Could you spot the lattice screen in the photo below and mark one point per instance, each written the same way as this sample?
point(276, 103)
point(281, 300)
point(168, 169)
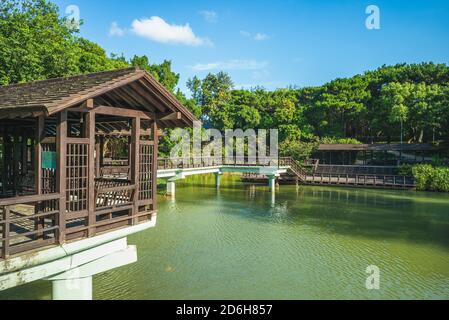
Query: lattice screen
point(146, 172)
point(77, 177)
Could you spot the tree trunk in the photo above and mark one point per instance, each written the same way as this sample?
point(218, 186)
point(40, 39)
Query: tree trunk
point(421, 136)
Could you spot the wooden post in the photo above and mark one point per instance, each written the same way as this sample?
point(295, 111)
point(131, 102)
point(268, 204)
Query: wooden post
point(97, 158)
point(130, 151)
point(5, 247)
point(24, 160)
point(5, 164)
point(16, 161)
point(102, 151)
point(154, 173)
point(61, 151)
point(135, 144)
point(90, 134)
point(39, 135)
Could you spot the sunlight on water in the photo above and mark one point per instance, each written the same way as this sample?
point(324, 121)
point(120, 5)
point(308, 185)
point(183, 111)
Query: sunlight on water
point(311, 243)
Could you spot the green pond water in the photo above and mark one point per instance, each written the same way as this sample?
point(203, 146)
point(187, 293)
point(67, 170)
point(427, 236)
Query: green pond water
point(310, 243)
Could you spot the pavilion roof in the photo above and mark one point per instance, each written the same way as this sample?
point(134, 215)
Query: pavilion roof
point(129, 88)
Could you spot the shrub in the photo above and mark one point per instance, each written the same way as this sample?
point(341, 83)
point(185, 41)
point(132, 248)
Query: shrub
point(431, 178)
point(333, 140)
point(440, 180)
point(423, 175)
point(297, 149)
point(405, 170)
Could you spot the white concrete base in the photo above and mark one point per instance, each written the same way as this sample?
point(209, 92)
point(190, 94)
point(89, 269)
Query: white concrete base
point(171, 188)
point(72, 289)
point(76, 283)
point(272, 183)
point(73, 261)
point(218, 180)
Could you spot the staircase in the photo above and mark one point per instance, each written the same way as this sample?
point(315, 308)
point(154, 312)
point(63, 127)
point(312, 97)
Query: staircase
point(294, 167)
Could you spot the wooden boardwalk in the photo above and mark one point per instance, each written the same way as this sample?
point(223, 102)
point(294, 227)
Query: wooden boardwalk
point(379, 181)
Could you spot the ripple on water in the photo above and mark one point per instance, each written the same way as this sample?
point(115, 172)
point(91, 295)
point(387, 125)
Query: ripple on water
point(311, 243)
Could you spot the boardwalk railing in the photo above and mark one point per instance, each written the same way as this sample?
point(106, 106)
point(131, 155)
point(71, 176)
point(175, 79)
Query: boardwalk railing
point(363, 180)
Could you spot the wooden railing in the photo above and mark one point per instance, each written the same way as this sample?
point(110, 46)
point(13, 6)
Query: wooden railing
point(204, 162)
point(28, 223)
point(32, 222)
point(294, 167)
point(115, 172)
point(113, 193)
point(363, 180)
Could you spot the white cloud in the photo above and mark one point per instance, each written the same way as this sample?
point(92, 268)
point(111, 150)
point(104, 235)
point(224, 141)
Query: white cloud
point(260, 74)
point(116, 31)
point(156, 29)
point(231, 65)
point(209, 16)
point(258, 36)
point(261, 37)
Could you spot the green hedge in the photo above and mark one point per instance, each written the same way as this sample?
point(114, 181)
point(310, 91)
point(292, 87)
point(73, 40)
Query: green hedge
point(429, 178)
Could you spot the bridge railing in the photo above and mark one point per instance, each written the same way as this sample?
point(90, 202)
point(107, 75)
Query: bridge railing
point(204, 162)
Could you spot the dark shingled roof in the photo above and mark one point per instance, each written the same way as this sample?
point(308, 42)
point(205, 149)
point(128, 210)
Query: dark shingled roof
point(131, 88)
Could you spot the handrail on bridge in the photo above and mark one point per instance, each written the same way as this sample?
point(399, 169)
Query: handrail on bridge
point(204, 162)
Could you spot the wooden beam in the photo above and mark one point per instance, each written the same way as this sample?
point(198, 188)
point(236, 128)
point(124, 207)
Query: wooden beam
point(117, 111)
point(88, 104)
point(141, 89)
point(48, 140)
point(61, 152)
point(169, 116)
point(123, 112)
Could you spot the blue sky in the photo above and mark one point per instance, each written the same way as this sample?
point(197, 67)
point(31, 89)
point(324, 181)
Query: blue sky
point(269, 43)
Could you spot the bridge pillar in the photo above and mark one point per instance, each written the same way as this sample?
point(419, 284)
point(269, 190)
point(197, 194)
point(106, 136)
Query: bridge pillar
point(218, 179)
point(171, 188)
point(76, 283)
point(72, 289)
point(272, 183)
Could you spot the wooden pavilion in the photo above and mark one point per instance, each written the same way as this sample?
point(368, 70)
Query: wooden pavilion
point(54, 187)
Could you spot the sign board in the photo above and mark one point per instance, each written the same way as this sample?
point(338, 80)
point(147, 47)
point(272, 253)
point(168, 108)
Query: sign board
point(49, 160)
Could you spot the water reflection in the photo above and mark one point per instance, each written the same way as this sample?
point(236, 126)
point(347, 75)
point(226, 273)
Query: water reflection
point(307, 243)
